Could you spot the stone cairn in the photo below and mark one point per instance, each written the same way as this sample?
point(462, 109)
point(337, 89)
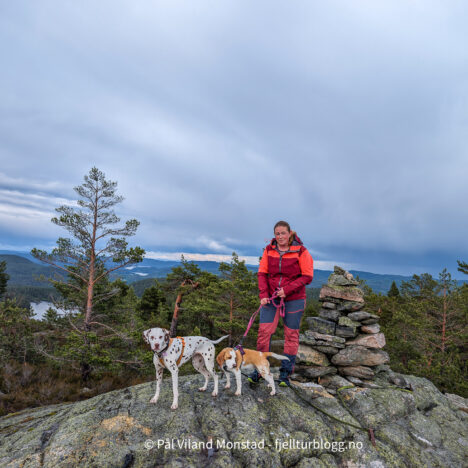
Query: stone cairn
point(343, 345)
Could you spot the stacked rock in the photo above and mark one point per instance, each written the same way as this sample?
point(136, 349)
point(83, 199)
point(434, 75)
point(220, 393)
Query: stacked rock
point(343, 345)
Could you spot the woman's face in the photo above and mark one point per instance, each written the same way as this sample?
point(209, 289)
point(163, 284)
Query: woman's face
point(282, 236)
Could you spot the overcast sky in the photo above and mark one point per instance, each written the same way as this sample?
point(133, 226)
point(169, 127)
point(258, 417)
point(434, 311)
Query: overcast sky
point(218, 118)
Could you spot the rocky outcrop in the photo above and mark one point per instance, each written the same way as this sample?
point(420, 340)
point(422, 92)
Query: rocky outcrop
point(413, 428)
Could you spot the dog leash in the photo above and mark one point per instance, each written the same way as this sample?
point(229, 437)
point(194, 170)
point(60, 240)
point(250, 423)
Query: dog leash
point(282, 310)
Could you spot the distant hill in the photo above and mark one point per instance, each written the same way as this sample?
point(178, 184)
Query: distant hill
point(23, 270)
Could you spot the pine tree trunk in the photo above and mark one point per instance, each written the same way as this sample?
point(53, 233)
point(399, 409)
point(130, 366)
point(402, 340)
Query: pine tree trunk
point(175, 316)
point(85, 371)
point(444, 320)
point(85, 367)
point(231, 314)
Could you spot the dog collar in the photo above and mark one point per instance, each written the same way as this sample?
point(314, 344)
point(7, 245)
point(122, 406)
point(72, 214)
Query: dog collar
point(240, 349)
point(163, 351)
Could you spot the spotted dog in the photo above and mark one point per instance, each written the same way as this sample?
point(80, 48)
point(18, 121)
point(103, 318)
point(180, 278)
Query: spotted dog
point(171, 353)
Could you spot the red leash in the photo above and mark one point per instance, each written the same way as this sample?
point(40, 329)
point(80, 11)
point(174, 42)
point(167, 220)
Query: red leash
point(282, 309)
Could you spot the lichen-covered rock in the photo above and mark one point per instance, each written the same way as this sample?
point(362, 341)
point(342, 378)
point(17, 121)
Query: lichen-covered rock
point(369, 321)
point(324, 337)
point(122, 429)
point(324, 346)
point(362, 315)
point(374, 328)
point(320, 325)
point(314, 371)
point(353, 294)
point(363, 372)
point(458, 401)
point(329, 314)
point(346, 332)
point(329, 305)
point(355, 380)
point(327, 349)
point(341, 280)
point(335, 381)
point(360, 356)
point(347, 322)
point(308, 355)
point(347, 306)
point(346, 327)
point(376, 340)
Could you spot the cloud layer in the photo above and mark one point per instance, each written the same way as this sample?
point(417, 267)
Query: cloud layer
point(219, 118)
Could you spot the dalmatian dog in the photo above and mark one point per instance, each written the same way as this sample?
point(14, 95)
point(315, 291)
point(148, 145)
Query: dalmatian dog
point(171, 353)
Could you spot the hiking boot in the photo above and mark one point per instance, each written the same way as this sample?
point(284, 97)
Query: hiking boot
point(254, 377)
point(284, 378)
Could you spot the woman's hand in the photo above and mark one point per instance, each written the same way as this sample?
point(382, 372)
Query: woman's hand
point(280, 293)
point(264, 301)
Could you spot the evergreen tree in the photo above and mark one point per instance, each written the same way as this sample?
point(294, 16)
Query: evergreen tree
point(393, 291)
point(426, 329)
point(150, 300)
point(223, 304)
point(15, 332)
point(463, 267)
point(182, 280)
point(96, 249)
point(420, 286)
point(4, 277)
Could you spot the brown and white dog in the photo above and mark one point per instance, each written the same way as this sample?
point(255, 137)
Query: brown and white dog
point(232, 360)
point(171, 353)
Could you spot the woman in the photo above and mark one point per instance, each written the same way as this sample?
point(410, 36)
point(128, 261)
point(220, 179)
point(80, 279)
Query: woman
point(286, 267)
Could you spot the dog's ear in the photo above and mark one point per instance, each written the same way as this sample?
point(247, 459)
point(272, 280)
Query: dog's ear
point(238, 358)
point(145, 336)
point(220, 358)
point(166, 335)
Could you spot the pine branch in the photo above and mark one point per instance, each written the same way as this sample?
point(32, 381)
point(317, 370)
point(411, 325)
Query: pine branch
point(121, 335)
point(64, 269)
point(106, 273)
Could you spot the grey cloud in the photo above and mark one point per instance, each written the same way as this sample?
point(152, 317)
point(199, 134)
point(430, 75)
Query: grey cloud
point(217, 119)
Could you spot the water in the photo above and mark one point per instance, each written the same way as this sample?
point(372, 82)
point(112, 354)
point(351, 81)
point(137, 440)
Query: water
point(40, 308)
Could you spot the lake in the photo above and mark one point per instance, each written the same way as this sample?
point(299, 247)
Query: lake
point(40, 308)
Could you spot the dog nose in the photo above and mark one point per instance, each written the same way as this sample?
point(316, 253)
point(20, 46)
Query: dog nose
point(156, 347)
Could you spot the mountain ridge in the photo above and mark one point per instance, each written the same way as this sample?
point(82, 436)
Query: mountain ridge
point(152, 268)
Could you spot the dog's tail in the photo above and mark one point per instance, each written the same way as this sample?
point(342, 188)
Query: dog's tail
point(276, 356)
point(221, 339)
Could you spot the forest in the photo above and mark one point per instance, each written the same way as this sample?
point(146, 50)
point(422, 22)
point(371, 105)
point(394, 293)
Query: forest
point(96, 345)
point(424, 323)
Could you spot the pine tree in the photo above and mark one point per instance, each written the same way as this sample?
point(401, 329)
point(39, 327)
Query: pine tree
point(15, 332)
point(223, 304)
point(420, 286)
point(183, 280)
point(96, 249)
point(4, 277)
point(426, 329)
point(393, 291)
point(150, 300)
point(463, 267)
